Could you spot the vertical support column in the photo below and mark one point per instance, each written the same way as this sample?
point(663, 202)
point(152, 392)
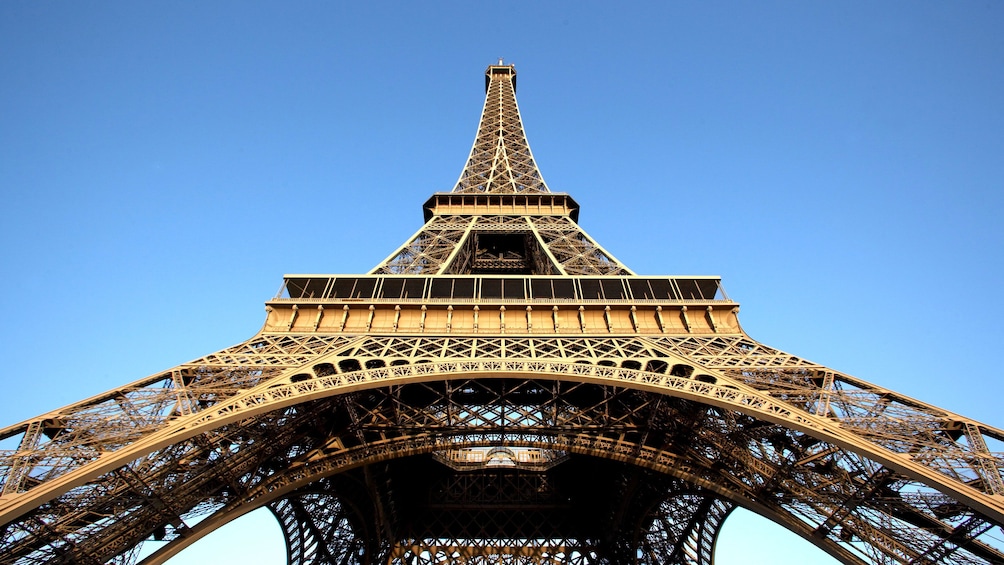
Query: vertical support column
point(685, 529)
point(183, 399)
point(21, 465)
point(986, 465)
point(823, 403)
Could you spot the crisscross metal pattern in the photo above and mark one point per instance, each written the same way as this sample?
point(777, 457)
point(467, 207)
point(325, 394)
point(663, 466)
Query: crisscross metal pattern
point(349, 432)
point(500, 160)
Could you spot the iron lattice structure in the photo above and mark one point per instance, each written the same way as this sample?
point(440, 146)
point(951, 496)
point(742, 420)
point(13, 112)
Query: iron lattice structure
point(501, 390)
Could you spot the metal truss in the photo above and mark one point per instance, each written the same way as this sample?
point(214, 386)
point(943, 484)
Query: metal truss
point(501, 164)
point(500, 160)
point(318, 530)
point(243, 435)
point(401, 419)
point(554, 245)
point(684, 530)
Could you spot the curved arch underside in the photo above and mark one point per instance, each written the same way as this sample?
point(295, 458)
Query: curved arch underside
point(665, 443)
point(505, 516)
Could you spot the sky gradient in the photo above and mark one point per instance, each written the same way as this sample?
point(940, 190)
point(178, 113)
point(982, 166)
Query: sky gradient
point(163, 164)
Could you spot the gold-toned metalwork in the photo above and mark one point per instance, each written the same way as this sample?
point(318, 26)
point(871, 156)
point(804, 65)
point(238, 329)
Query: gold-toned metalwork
point(501, 390)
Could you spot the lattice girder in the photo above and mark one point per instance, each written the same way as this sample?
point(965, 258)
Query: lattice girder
point(646, 381)
point(684, 530)
point(382, 452)
point(523, 358)
point(318, 530)
point(442, 245)
point(500, 163)
point(591, 445)
point(500, 160)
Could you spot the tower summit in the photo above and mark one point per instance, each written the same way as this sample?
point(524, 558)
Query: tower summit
point(500, 160)
point(501, 389)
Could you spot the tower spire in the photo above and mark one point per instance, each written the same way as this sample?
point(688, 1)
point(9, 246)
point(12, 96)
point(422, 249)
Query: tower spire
point(501, 218)
point(500, 161)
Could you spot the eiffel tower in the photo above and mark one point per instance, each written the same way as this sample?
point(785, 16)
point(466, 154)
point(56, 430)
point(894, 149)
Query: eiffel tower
point(501, 389)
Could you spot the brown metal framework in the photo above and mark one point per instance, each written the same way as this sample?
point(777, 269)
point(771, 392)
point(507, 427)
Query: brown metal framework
point(501, 390)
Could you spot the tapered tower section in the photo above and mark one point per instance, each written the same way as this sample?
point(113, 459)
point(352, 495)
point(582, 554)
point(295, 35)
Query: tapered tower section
point(501, 218)
point(500, 161)
point(501, 389)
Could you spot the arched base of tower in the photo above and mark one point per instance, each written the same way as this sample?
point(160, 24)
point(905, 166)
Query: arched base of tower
point(422, 510)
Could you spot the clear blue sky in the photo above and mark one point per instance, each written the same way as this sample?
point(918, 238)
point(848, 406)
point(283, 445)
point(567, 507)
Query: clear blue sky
point(162, 164)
